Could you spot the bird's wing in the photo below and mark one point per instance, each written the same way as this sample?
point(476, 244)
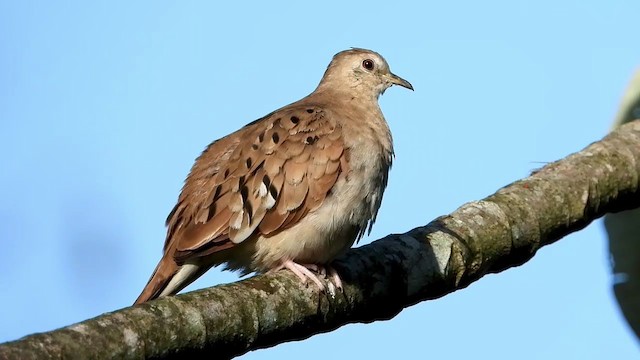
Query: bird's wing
point(263, 180)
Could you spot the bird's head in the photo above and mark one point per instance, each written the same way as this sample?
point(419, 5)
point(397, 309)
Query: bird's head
point(360, 71)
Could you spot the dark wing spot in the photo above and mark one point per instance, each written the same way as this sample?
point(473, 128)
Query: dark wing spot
point(275, 137)
point(266, 181)
point(249, 163)
point(216, 194)
point(311, 139)
point(254, 146)
point(226, 173)
point(295, 119)
point(310, 111)
point(261, 137)
point(273, 191)
point(244, 192)
point(212, 211)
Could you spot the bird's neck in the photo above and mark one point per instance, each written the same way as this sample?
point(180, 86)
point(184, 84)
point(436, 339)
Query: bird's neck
point(337, 87)
point(346, 96)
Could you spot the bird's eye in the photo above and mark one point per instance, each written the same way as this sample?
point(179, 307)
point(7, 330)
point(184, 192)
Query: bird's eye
point(368, 64)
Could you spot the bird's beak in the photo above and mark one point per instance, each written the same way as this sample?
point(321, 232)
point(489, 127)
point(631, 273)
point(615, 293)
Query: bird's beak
point(397, 80)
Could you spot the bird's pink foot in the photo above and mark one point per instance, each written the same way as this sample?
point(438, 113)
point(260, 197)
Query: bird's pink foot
point(306, 272)
point(303, 272)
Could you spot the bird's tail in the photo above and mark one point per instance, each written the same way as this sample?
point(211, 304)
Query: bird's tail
point(168, 278)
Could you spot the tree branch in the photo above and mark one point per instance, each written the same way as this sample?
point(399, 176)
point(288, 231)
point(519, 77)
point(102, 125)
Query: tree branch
point(504, 230)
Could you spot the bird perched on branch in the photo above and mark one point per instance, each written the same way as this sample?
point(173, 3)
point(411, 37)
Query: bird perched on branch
point(291, 190)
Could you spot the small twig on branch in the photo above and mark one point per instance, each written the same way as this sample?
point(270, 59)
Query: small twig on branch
point(503, 230)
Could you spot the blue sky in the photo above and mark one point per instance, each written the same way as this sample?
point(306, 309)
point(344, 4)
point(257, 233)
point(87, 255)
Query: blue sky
point(105, 105)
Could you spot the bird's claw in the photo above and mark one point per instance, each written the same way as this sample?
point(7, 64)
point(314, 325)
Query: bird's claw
point(306, 272)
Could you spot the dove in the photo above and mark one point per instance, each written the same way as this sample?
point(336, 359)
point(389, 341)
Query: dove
point(292, 190)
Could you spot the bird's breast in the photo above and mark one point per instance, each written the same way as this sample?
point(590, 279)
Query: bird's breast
point(366, 180)
point(332, 228)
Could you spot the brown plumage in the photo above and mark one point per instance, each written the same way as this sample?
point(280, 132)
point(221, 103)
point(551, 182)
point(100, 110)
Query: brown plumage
point(293, 189)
